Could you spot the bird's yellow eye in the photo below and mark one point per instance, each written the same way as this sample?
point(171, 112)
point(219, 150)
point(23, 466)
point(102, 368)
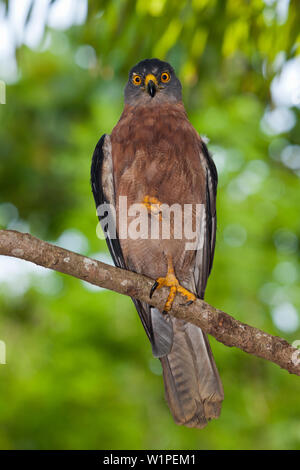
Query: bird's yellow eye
point(165, 77)
point(137, 80)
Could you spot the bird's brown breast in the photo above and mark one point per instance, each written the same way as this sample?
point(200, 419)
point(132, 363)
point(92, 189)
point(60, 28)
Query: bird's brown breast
point(156, 152)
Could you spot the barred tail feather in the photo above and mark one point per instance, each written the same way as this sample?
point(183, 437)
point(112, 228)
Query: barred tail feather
point(193, 387)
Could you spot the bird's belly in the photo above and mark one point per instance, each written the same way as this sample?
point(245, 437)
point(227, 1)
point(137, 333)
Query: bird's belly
point(150, 237)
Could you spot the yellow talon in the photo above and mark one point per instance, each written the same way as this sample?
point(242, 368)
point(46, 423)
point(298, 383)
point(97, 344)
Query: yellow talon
point(171, 281)
point(154, 207)
point(152, 204)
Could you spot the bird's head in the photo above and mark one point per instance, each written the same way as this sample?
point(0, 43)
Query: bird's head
point(152, 81)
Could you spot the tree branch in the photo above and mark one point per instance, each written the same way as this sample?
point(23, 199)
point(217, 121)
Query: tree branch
point(219, 324)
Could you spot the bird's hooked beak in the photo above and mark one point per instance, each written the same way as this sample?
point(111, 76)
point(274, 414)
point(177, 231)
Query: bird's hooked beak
point(151, 84)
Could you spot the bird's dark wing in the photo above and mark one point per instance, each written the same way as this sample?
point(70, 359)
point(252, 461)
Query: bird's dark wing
point(205, 251)
point(103, 191)
point(159, 331)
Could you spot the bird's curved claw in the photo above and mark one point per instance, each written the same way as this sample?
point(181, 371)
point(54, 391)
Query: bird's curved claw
point(153, 289)
point(187, 303)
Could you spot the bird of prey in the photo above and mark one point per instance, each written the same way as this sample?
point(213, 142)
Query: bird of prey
point(154, 156)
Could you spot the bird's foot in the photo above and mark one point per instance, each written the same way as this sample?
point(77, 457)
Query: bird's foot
point(171, 281)
point(153, 205)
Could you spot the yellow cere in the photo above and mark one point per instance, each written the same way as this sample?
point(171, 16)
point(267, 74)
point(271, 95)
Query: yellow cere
point(149, 77)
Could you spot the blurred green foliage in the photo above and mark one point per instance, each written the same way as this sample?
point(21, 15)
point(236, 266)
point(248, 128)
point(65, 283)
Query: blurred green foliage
point(79, 370)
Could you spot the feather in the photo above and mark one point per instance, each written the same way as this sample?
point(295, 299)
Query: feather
point(158, 329)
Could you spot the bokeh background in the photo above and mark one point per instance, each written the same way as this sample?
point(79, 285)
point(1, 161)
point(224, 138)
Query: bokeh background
point(79, 372)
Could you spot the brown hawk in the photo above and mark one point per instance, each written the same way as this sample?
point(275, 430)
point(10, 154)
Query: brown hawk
point(154, 156)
